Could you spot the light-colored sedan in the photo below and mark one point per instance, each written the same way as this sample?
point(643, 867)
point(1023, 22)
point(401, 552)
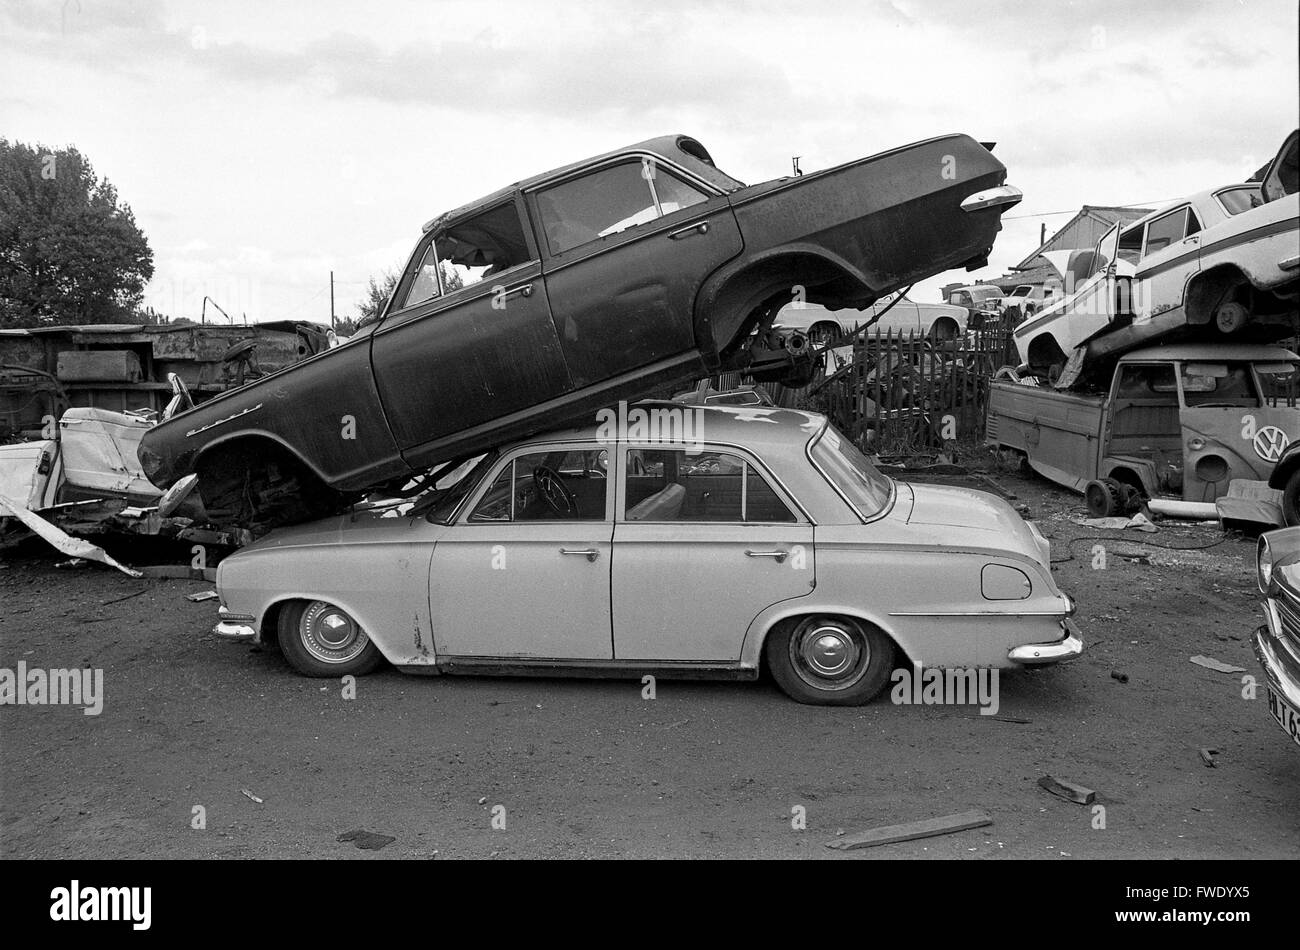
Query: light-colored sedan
point(938, 322)
point(704, 542)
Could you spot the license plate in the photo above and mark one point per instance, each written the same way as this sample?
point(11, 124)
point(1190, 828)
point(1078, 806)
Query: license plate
point(1285, 714)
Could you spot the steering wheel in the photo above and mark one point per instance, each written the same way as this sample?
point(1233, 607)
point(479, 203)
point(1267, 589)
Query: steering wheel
point(554, 492)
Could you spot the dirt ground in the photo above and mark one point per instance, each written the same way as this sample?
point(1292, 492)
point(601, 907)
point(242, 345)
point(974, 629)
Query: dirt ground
point(590, 769)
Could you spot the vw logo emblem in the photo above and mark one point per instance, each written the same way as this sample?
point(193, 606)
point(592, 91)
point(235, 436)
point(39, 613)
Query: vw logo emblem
point(1269, 443)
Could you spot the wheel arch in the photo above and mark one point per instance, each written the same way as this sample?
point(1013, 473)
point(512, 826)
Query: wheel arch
point(725, 305)
point(774, 618)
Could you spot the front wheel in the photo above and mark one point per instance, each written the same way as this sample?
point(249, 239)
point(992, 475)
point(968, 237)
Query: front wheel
point(319, 639)
point(830, 661)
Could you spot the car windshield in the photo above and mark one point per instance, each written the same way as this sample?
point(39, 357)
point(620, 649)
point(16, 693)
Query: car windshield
point(862, 484)
point(439, 504)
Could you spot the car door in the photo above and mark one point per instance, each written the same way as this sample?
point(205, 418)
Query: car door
point(628, 246)
point(1170, 257)
point(469, 338)
point(704, 541)
point(519, 576)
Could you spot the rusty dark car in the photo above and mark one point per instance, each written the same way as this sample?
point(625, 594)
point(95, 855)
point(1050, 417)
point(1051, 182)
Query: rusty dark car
point(613, 278)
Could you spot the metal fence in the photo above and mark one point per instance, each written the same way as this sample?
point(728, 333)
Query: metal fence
point(898, 393)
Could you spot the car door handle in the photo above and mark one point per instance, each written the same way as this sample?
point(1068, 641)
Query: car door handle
point(701, 227)
point(524, 289)
point(589, 553)
point(779, 555)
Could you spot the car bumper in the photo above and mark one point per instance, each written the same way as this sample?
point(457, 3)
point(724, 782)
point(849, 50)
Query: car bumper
point(234, 626)
point(1059, 651)
point(1282, 689)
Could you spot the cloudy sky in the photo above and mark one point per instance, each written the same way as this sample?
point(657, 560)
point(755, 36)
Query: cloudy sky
point(263, 145)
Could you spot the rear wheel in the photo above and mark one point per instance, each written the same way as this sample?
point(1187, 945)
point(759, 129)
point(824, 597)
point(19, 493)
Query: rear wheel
point(319, 639)
point(829, 660)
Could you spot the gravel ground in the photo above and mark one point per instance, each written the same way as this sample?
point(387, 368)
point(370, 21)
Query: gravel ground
point(590, 769)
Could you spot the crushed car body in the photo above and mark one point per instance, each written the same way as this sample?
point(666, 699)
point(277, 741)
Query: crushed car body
point(609, 279)
point(1222, 266)
point(745, 538)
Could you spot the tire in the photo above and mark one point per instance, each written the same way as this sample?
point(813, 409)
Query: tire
point(1291, 500)
point(1105, 498)
point(303, 629)
point(848, 677)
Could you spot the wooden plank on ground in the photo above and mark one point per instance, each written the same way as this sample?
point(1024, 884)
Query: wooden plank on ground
point(926, 828)
point(1068, 790)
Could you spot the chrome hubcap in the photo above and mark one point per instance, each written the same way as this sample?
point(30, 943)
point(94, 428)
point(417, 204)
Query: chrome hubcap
point(330, 635)
point(829, 654)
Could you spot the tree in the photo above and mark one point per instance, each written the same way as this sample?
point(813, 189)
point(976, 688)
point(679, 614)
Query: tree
point(70, 252)
point(378, 292)
point(376, 298)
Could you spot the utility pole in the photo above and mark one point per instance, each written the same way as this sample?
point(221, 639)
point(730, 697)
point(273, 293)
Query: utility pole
point(332, 300)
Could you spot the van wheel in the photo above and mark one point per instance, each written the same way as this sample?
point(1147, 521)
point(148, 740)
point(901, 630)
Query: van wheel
point(1105, 498)
point(829, 661)
point(319, 639)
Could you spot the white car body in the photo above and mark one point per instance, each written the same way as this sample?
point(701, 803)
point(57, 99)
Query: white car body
point(1179, 267)
point(944, 321)
point(649, 587)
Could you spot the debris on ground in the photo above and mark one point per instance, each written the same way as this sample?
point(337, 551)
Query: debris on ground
point(250, 796)
point(1067, 790)
point(1207, 756)
point(1139, 521)
point(61, 540)
point(927, 828)
point(202, 595)
point(1217, 665)
point(1118, 676)
point(367, 840)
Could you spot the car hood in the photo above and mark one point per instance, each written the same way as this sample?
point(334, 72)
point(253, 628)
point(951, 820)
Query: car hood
point(964, 516)
point(356, 528)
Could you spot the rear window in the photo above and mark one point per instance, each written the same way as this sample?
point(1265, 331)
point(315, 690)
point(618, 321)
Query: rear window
point(849, 470)
point(1237, 200)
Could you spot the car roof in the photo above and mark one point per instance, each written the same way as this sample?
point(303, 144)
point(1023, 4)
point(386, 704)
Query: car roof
point(755, 427)
point(678, 149)
point(1211, 351)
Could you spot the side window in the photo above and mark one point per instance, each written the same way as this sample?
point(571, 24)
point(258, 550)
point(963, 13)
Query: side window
point(1165, 231)
point(560, 485)
point(667, 485)
point(1130, 245)
point(610, 201)
point(469, 251)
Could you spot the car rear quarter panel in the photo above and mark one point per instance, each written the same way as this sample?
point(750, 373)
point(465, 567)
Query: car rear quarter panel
point(1255, 241)
point(923, 590)
point(893, 217)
